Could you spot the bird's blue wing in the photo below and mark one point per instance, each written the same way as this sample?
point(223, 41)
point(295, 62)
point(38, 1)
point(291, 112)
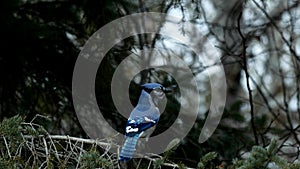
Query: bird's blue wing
point(139, 124)
point(141, 121)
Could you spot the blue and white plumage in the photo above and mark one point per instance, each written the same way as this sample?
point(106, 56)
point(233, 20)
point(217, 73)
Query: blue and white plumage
point(144, 116)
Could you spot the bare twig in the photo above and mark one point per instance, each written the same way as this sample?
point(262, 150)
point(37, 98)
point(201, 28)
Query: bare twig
point(7, 147)
point(72, 147)
point(245, 67)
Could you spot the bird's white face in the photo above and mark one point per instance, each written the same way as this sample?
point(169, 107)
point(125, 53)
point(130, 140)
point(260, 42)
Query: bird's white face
point(157, 95)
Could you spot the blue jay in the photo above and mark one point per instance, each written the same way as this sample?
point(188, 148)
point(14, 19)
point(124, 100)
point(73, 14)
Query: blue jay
point(144, 116)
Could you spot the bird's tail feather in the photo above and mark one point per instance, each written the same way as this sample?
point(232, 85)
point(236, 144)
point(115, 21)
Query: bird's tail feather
point(128, 148)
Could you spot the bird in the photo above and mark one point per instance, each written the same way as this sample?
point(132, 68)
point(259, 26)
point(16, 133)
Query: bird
point(144, 116)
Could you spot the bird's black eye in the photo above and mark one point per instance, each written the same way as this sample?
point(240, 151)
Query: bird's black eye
point(147, 90)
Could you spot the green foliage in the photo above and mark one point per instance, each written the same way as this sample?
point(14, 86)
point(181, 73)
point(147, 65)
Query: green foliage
point(294, 166)
point(264, 158)
point(181, 166)
point(10, 132)
point(93, 159)
point(158, 163)
point(11, 128)
point(18, 152)
point(204, 161)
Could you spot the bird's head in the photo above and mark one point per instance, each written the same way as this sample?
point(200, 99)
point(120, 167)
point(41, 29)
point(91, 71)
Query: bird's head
point(156, 91)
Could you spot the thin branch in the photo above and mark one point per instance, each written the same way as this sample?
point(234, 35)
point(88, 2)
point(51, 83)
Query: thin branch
point(245, 67)
point(60, 137)
point(46, 149)
point(7, 147)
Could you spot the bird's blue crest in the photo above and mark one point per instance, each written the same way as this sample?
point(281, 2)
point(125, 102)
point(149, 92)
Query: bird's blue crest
point(152, 86)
